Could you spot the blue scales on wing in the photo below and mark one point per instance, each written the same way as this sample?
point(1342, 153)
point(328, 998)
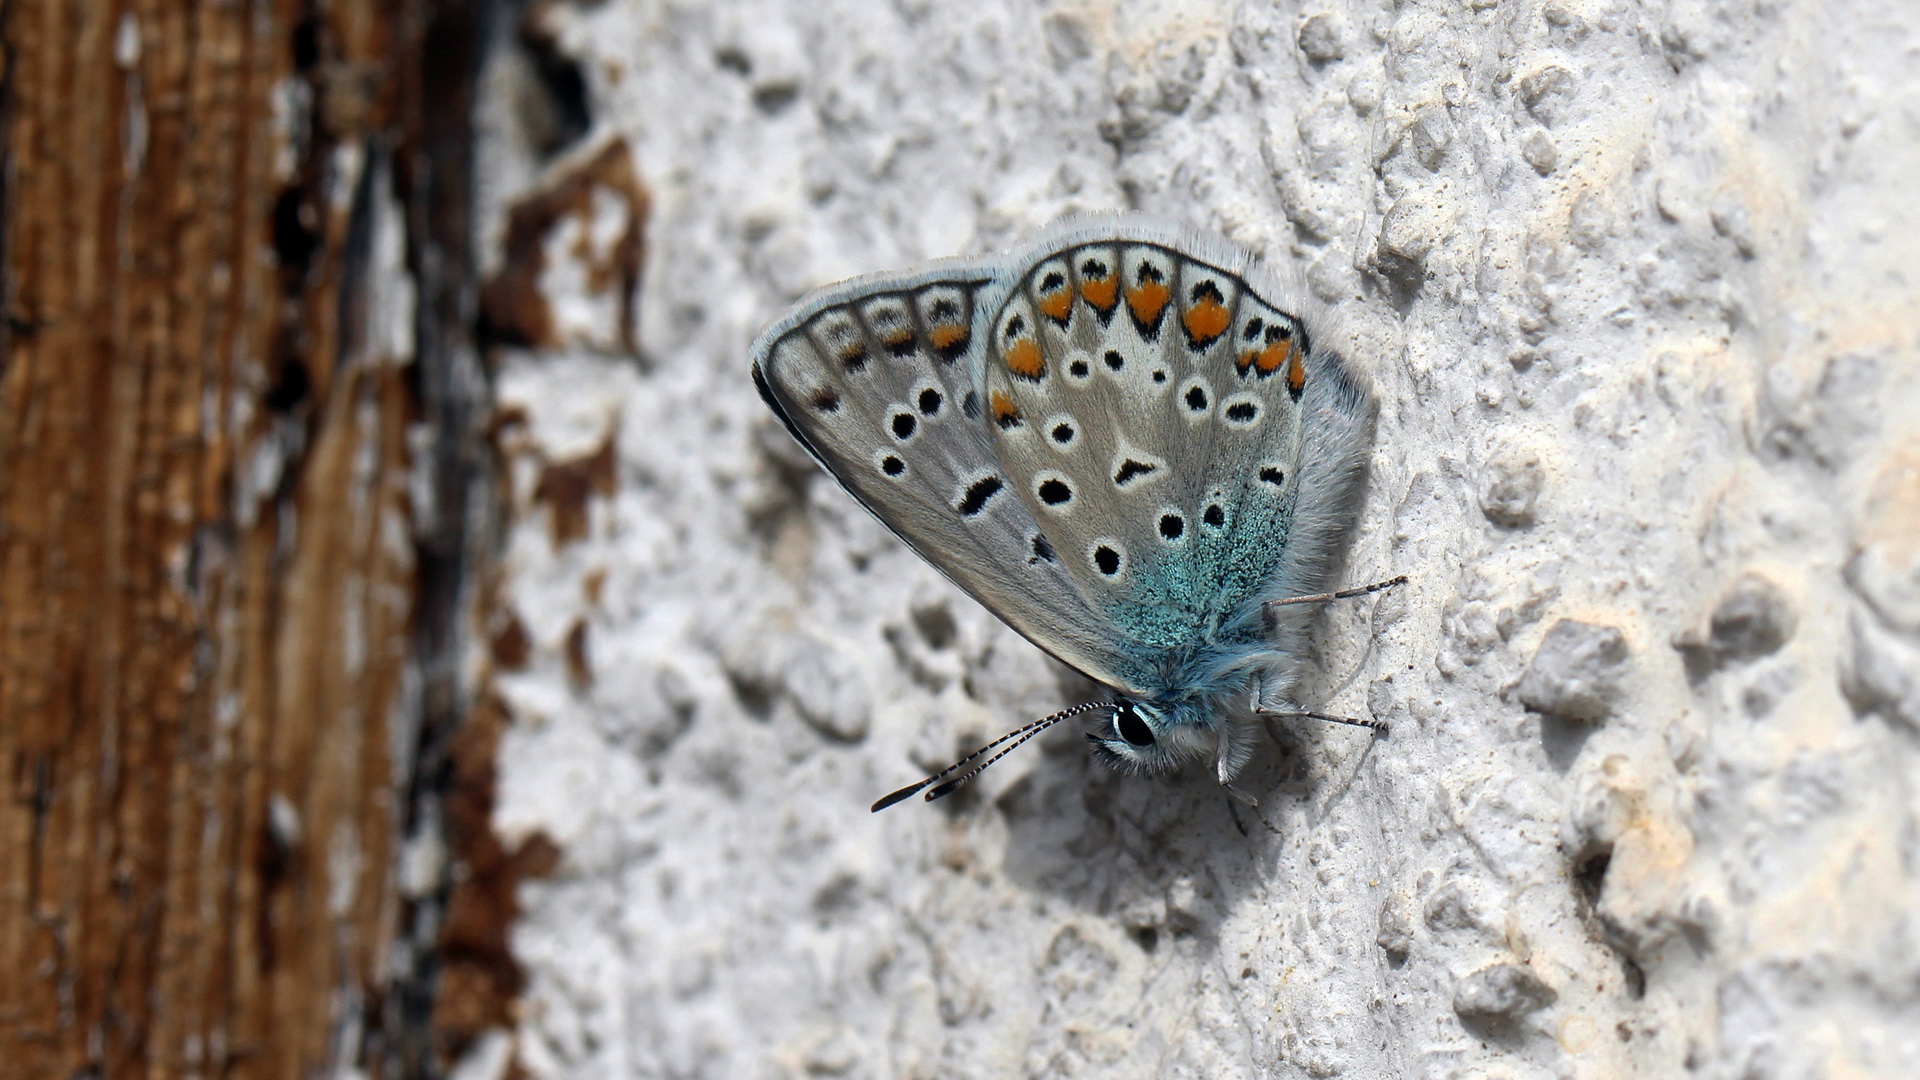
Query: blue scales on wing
point(1161, 407)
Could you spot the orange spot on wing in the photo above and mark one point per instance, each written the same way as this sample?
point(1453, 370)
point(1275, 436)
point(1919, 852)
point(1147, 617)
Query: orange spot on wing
point(1101, 292)
point(1273, 356)
point(1147, 300)
point(947, 335)
point(1057, 305)
point(1296, 373)
point(899, 340)
point(1002, 404)
point(1206, 320)
point(1025, 359)
point(1246, 360)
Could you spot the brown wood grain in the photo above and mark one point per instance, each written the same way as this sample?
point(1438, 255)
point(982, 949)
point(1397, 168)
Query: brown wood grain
point(209, 575)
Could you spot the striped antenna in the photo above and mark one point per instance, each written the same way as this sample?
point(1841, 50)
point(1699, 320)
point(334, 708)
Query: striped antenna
point(1015, 737)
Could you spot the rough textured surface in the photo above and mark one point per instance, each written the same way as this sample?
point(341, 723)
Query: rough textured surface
point(1578, 673)
point(1635, 281)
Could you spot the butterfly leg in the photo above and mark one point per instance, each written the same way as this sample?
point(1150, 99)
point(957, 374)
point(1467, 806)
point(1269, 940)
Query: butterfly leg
point(1252, 804)
point(1344, 594)
point(1234, 813)
point(1236, 746)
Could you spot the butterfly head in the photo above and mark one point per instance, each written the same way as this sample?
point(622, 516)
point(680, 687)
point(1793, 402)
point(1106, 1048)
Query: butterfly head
point(1151, 737)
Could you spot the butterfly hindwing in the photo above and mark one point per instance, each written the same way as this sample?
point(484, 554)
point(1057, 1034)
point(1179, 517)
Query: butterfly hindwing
point(1151, 410)
point(877, 378)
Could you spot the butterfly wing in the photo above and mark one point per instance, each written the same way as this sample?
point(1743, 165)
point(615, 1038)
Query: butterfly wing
point(1153, 397)
point(875, 377)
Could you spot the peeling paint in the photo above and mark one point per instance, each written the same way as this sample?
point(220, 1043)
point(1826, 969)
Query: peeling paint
point(586, 224)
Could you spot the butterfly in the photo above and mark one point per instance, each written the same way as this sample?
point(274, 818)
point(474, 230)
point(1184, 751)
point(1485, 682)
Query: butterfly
point(1131, 441)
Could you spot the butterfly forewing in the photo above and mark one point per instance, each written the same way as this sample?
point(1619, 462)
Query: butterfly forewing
point(1147, 409)
point(880, 386)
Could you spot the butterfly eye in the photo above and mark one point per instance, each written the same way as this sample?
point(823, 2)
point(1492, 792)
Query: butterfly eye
point(1127, 722)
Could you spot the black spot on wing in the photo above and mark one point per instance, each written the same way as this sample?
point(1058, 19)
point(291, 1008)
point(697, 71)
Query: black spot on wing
point(1042, 551)
point(930, 402)
point(1172, 526)
point(1131, 470)
point(978, 494)
point(1054, 492)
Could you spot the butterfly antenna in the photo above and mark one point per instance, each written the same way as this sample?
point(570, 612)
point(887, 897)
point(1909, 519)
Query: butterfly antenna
point(1016, 737)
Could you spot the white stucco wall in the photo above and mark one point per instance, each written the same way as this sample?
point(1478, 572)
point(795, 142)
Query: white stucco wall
point(1639, 285)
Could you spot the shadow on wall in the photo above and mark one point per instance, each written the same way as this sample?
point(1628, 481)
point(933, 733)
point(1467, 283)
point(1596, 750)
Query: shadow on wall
point(1167, 857)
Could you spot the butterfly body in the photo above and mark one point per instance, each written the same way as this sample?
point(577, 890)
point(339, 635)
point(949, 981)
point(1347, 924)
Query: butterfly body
point(1125, 439)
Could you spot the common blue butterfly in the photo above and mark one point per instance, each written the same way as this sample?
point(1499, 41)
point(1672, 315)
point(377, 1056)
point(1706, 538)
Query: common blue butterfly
point(1129, 440)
